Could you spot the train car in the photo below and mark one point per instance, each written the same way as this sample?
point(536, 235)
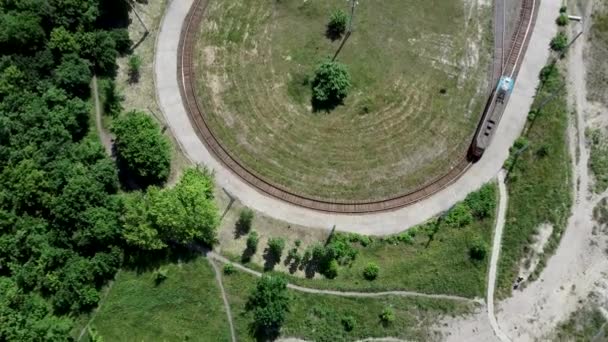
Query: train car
point(491, 116)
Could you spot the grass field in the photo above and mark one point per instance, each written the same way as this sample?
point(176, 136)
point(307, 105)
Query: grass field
point(597, 74)
point(185, 306)
point(419, 72)
point(539, 184)
point(441, 264)
point(318, 317)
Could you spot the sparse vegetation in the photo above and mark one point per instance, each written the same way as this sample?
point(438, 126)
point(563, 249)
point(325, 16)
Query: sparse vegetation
point(598, 159)
point(539, 187)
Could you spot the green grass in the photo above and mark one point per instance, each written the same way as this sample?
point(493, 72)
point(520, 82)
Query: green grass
point(598, 158)
point(395, 131)
point(441, 264)
point(319, 317)
point(597, 70)
point(539, 184)
point(187, 305)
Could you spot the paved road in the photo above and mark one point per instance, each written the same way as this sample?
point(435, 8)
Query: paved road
point(385, 223)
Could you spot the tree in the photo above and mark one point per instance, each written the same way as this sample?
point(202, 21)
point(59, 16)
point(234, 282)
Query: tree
point(243, 224)
point(113, 99)
point(371, 271)
point(337, 24)
point(122, 40)
point(141, 149)
point(137, 228)
point(73, 75)
point(275, 247)
point(63, 41)
point(134, 66)
point(330, 85)
point(269, 303)
point(252, 241)
point(559, 42)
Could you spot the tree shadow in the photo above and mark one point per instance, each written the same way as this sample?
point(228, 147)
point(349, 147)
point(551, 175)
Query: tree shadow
point(142, 261)
point(270, 260)
point(325, 106)
point(263, 334)
point(247, 254)
point(241, 229)
point(332, 33)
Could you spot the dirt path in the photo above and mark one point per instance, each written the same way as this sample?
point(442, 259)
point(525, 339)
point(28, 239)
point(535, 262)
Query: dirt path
point(215, 256)
point(500, 224)
point(218, 278)
point(579, 262)
point(105, 138)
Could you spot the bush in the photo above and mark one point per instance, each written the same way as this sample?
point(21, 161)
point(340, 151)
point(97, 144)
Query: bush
point(388, 315)
point(482, 202)
point(371, 271)
point(252, 241)
point(243, 224)
point(142, 151)
point(348, 322)
point(331, 270)
point(275, 247)
point(337, 24)
point(559, 42)
point(479, 250)
point(330, 85)
point(229, 269)
point(160, 275)
point(113, 99)
point(459, 216)
point(134, 64)
point(563, 9)
point(562, 20)
point(298, 243)
point(270, 304)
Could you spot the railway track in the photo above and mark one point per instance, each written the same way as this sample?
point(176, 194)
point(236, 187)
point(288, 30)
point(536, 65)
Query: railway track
point(186, 78)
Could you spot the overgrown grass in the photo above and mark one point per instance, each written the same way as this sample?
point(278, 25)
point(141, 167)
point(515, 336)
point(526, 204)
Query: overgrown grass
point(431, 258)
point(598, 158)
point(539, 181)
point(320, 317)
point(187, 305)
point(597, 72)
point(586, 324)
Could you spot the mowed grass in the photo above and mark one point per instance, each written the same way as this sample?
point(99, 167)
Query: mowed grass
point(419, 73)
point(539, 183)
point(185, 306)
point(319, 317)
point(433, 261)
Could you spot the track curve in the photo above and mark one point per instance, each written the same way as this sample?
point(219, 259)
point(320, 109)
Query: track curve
point(186, 81)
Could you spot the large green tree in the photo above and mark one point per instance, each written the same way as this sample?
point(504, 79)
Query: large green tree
point(142, 151)
point(330, 85)
point(269, 303)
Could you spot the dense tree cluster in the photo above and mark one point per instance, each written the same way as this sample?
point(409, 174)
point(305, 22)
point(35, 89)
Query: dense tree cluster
point(59, 212)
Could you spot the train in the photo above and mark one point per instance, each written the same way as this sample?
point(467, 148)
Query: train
point(491, 117)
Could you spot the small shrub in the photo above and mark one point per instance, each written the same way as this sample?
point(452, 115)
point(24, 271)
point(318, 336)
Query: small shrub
point(298, 243)
point(543, 151)
point(293, 253)
point(337, 24)
point(562, 20)
point(331, 271)
point(459, 216)
point(563, 9)
point(160, 275)
point(348, 322)
point(252, 241)
point(229, 269)
point(388, 315)
point(482, 202)
point(559, 42)
point(478, 250)
point(406, 238)
point(371, 271)
point(275, 247)
point(134, 64)
point(243, 224)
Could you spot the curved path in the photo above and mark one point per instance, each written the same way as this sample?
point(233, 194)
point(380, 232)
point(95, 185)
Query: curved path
point(215, 256)
point(381, 223)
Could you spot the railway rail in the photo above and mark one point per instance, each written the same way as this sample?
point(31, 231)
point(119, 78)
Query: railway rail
point(186, 79)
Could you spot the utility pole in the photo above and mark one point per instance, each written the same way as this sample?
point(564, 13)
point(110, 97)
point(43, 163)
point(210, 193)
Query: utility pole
point(353, 5)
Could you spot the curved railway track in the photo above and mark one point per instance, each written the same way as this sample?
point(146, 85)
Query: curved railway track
point(186, 80)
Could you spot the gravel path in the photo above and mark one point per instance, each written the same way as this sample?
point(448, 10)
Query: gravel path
point(105, 138)
point(376, 223)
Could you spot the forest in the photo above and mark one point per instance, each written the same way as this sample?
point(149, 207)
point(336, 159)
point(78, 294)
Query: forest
point(66, 221)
